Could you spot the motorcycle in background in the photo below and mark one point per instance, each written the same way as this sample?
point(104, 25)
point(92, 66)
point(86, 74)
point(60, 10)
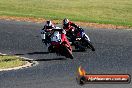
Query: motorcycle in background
point(80, 40)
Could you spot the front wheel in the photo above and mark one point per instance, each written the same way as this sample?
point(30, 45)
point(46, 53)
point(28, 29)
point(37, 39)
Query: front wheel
point(91, 46)
point(67, 52)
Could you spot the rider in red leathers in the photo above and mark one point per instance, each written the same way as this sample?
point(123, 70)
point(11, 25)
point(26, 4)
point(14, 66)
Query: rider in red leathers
point(71, 28)
point(73, 31)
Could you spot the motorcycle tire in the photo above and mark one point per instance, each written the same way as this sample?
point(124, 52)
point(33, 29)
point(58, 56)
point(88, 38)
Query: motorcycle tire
point(50, 49)
point(90, 45)
point(68, 53)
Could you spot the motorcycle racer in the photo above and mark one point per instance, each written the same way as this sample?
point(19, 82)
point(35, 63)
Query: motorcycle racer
point(71, 28)
point(46, 32)
point(59, 37)
point(75, 33)
point(68, 25)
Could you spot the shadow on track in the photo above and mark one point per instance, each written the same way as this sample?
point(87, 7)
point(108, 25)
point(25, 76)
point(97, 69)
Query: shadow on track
point(78, 51)
point(53, 59)
point(32, 53)
point(38, 53)
point(19, 54)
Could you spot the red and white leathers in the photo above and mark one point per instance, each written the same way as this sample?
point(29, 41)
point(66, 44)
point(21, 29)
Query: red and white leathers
point(60, 36)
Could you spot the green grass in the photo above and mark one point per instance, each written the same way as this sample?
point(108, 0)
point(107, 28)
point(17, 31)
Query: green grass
point(117, 12)
point(10, 61)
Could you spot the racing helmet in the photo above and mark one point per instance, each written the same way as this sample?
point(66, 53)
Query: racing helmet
point(49, 25)
point(65, 22)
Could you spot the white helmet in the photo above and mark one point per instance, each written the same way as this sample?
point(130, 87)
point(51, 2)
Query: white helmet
point(49, 25)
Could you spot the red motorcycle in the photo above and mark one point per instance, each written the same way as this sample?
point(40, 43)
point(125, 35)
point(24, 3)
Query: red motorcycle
point(60, 44)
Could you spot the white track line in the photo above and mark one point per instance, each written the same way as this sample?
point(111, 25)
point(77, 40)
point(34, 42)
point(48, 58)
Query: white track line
point(29, 63)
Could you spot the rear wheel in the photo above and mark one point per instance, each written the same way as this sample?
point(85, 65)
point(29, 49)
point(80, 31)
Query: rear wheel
point(50, 49)
point(79, 46)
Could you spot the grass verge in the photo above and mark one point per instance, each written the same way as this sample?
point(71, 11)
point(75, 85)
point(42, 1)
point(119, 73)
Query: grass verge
point(116, 12)
point(10, 61)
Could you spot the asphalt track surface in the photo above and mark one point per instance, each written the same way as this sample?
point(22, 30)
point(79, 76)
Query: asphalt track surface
point(113, 55)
